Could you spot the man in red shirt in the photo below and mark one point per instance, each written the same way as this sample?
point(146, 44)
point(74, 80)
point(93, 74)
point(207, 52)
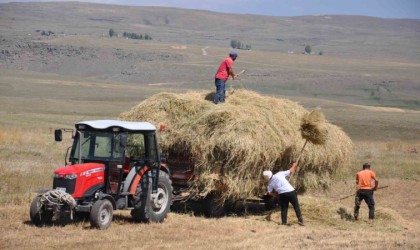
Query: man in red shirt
point(365, 191)
point(222, 75)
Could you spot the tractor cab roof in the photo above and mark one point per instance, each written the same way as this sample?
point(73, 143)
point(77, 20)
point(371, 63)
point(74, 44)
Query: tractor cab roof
point(109, 124)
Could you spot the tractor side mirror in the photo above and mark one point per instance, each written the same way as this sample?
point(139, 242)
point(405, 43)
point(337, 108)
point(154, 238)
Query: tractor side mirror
point(58, 134)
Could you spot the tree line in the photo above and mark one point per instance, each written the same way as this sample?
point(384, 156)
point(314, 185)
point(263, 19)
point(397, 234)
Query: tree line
point(236, 44)
point(130, 35)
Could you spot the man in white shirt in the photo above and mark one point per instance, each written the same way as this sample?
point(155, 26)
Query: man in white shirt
point(279, 185)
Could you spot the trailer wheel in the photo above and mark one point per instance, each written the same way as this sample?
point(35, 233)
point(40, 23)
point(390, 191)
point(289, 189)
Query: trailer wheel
point(101, 214)
point(212, 207)
point(148, 210)
point(39, 216)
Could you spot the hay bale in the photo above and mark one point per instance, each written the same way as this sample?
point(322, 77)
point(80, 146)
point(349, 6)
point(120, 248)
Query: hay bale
point(246, 135)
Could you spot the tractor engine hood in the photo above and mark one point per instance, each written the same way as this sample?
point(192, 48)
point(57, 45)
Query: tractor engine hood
point(80, 169)
point(79, 180)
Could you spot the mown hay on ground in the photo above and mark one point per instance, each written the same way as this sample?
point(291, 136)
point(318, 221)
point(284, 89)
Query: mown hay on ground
point(232, 143)
point(322, 211)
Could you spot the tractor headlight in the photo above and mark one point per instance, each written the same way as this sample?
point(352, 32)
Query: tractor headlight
point(56, 176)
point(70, 176)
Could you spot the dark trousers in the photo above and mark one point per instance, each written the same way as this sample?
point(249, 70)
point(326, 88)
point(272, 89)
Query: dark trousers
point(367, 195)
point(220, 91)
point(285, 199)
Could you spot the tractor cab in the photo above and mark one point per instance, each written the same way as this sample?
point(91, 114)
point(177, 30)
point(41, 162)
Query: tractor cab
point(119, 147)
point(112, 165)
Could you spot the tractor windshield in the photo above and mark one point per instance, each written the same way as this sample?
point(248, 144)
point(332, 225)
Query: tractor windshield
point(102, 146)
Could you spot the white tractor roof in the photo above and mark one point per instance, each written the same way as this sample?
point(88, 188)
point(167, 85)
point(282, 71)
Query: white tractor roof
point(134, 126)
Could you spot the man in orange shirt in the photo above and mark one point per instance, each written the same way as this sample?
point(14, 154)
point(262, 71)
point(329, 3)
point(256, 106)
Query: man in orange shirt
point(365, 191)
point(222, 75)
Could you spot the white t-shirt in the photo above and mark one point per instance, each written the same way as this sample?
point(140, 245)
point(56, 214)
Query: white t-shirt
point(279, 183)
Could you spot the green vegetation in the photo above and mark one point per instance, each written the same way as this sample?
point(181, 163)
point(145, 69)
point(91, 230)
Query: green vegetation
point(112, 33)
point(45, 32)
point(130, 35)
point(308, 49)
point(236, 44)
point(137, 36)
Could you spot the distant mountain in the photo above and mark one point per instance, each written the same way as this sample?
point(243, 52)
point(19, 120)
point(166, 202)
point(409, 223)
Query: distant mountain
point(339, 35)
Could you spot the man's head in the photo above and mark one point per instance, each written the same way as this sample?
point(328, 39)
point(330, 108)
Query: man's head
point(233, 55)
point(366, 166)
point(267, 175)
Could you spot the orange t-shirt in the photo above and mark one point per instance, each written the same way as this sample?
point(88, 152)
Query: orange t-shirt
point(364, 178)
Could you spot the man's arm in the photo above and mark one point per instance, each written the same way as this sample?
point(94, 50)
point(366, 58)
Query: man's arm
point(357, 182)
point(376, 183)
point(231, 73)
point(293, 168)
point(271, 191)
point(274, 193)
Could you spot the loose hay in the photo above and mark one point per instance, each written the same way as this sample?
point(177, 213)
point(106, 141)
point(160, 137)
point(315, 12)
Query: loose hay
point(313, 127)
point(322, 211)
point(232, 143)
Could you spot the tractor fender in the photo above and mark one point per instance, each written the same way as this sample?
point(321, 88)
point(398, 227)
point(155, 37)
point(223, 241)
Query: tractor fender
point(102, 196)
point(133, 178)
point(164, 167)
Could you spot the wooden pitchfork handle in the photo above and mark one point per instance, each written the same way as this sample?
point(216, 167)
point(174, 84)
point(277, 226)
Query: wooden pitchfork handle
point(294, 174)
point(240, 73)
point(301, 151)
point(231, 89)
point(350, 195)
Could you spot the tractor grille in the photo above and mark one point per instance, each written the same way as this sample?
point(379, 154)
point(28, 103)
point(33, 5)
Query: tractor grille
point(69, 185)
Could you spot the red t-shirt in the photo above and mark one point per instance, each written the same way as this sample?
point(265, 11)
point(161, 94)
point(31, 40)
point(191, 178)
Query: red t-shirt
point(222, 72)
point(364, 178)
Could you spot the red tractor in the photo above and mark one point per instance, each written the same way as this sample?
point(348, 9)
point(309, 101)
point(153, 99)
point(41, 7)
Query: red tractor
point(113, 165)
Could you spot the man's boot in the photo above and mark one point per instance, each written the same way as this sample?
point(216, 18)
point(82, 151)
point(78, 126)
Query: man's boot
point(300, 222)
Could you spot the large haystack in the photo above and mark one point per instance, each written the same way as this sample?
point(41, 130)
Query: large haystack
point(232, 143)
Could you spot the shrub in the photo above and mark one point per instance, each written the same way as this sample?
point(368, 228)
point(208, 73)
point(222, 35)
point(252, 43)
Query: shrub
point(112, 33)
point(308, 49)
point(236, 44)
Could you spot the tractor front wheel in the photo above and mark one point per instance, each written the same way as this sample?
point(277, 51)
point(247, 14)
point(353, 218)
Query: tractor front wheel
point(101, 214)
point(39, 216)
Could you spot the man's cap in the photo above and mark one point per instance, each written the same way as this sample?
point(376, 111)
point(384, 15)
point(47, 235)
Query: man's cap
point(233, 53)
point(267, 175)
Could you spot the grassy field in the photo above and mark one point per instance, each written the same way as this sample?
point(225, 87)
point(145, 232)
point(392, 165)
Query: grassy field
point(366, 84)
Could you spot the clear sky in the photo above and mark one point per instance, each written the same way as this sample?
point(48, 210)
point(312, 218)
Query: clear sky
point(376, 8)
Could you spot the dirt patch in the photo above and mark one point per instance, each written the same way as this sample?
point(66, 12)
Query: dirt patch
point(179, 47)
point(384, 109)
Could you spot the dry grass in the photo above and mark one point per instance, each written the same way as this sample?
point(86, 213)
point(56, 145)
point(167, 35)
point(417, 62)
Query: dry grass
point(28, 159)
point(233, 143)
point(324, 229)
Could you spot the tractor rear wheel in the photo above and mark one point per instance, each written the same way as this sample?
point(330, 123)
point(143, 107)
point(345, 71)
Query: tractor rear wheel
point(39, 216)
point(101, 214)
point(147, 209)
